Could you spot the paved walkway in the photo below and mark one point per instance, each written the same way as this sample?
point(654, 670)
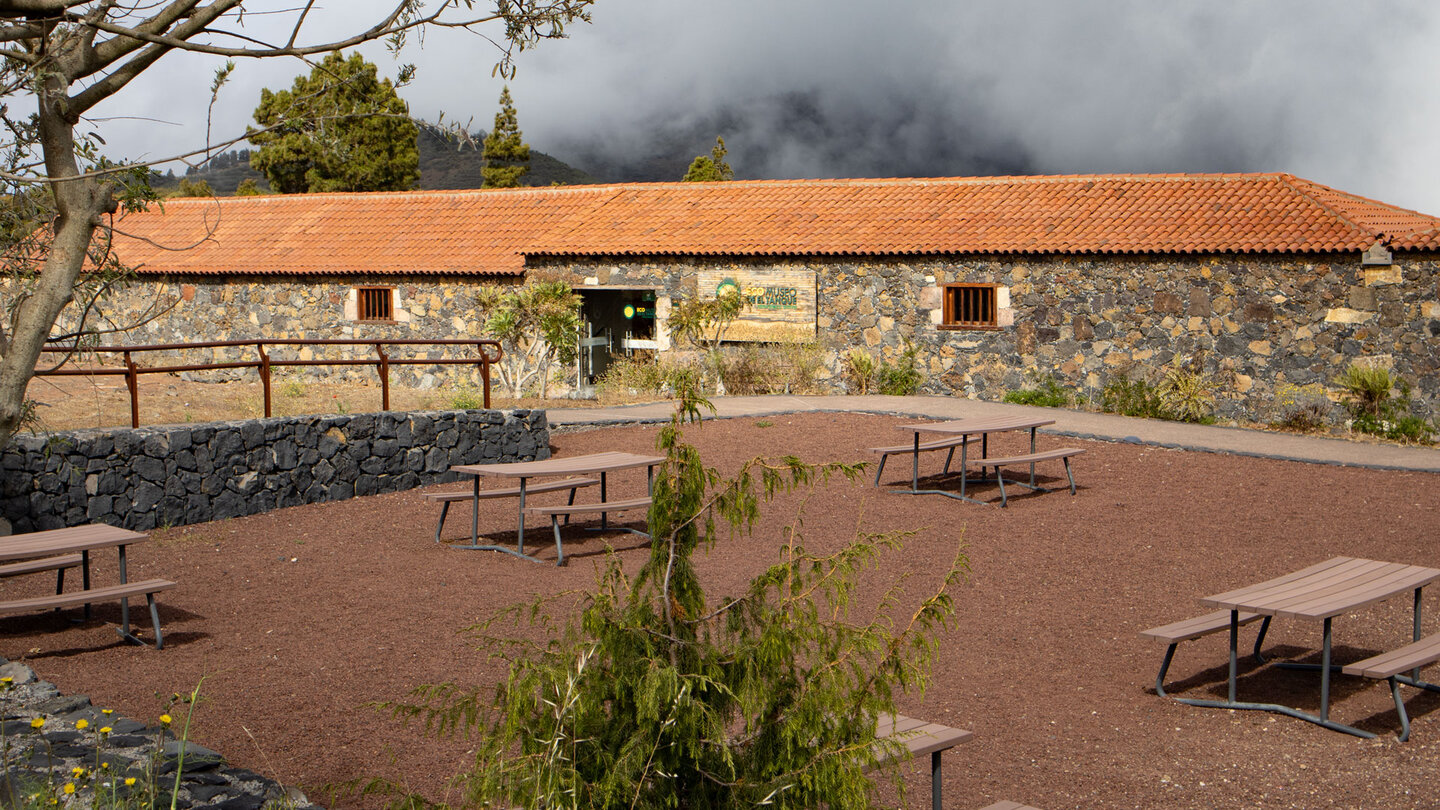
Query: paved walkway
point(1081, 424)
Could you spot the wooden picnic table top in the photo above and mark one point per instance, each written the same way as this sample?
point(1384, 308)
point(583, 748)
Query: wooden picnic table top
point(918, 736)
point(980, 424)
point(569, 465)
point(64, 541)
point(1326, 589)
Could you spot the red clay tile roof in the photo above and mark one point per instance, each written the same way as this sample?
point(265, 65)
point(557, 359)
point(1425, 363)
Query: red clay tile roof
point(489, 232)
point(462, 232)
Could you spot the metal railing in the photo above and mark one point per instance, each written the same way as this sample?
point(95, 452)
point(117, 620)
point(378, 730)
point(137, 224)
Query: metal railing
point(487, 351)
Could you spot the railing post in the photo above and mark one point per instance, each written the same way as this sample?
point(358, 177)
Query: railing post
point(484, 373)
point(132, 381)
point(384, 377)
point(264, 375)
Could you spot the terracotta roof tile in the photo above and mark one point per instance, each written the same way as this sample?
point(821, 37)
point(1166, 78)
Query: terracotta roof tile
point(489, 232)
point(466, 232)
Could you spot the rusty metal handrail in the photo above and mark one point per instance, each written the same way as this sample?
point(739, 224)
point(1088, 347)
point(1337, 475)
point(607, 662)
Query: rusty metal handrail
point(488, 352)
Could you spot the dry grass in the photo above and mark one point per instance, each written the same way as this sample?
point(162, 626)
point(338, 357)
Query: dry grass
point(69, 403)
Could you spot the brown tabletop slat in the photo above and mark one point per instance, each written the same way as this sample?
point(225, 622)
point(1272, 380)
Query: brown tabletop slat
point(1335, 597)
point(571, 465)
point(61, 541)
point(1273, 585)
point(988, 424)
point(1327, 589)
point(1336, 580)
point(918, 736)
point(1361, 594)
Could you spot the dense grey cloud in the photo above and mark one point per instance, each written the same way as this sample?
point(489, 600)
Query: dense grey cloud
point(1339, 92)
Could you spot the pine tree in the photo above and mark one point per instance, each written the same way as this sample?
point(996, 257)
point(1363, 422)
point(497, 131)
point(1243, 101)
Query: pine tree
point(341, 128)
point(712, 168)
point(660, 696)
point(507, 156)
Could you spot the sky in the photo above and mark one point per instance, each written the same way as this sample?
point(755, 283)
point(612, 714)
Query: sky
point(1342, 93)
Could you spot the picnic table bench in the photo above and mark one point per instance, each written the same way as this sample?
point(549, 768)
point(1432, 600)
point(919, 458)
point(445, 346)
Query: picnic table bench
point(1062, 453)
point(1198, 627)
point(1389, 665)
point(146, 588)
point(447, 498)
point(57, 549)
point(572, 508)
point(947, 443)
point(59, 564)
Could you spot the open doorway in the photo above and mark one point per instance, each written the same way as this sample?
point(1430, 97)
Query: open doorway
point(614, 323)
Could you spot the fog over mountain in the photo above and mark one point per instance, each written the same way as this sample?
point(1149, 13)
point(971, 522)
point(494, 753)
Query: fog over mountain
point(1339, 92)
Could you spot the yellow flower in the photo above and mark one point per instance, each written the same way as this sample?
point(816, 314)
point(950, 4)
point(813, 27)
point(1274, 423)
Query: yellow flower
point(69, 788)
point(104, 766)
point(81, 725)
point(165, 719)
point(105, 729)
point(37, 722)
point(77, 771)
point(7, 679)
point(129, 780)
point(107, 711)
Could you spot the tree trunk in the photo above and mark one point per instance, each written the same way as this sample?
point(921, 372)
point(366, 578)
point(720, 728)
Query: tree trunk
point(78, 204)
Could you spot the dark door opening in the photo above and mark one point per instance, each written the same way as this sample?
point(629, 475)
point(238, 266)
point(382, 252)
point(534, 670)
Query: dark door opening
point(614, 323)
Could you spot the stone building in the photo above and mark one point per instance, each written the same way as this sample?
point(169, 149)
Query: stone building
point(1268, 279)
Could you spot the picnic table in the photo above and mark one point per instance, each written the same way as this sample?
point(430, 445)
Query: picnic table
point(601, 464)
point(55, 544)
point(963, 430)
point(1322, 592)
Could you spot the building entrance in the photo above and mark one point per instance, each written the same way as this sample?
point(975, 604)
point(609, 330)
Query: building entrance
point(614, 323)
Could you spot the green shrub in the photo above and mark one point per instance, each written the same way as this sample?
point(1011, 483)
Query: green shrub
point(1377, 409)
point(860, 368)
point(1131, 397)
point(901, 378)
point(467, 397)
point(1368, 390)
point(1047, 393)
point(1185, 393)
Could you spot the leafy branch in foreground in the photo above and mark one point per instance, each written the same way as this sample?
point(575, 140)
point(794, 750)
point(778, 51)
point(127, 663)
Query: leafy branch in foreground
point(658, 697)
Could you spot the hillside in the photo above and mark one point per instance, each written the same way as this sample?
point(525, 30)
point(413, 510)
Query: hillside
point(443, 165)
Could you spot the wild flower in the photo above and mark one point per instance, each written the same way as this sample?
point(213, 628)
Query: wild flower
point(82, 724)
point(37, 722)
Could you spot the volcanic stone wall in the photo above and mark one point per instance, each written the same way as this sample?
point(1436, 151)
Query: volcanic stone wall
point(1256, 323)
point(195, 309)
point(180, 474)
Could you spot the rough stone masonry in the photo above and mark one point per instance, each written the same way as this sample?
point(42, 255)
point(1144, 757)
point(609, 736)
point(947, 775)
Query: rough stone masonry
point(180, 474)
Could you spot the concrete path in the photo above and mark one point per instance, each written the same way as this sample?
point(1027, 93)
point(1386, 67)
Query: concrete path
point(1081, 424)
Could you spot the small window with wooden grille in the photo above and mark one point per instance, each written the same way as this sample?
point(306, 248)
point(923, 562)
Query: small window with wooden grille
point(970, 306)
point(373, 304)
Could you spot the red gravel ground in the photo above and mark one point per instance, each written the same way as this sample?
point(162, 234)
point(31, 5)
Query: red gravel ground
point(301, 618)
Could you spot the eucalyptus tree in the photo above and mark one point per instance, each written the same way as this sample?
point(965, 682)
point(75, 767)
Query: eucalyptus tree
point(61, 58)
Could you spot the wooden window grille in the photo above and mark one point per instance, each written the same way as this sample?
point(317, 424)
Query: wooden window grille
point(970, 306)
point(373, 304)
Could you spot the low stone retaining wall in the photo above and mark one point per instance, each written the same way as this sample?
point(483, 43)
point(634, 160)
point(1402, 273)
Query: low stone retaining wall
point(180, 474)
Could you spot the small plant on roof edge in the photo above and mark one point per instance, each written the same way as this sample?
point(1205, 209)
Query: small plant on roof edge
point(659, 696)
